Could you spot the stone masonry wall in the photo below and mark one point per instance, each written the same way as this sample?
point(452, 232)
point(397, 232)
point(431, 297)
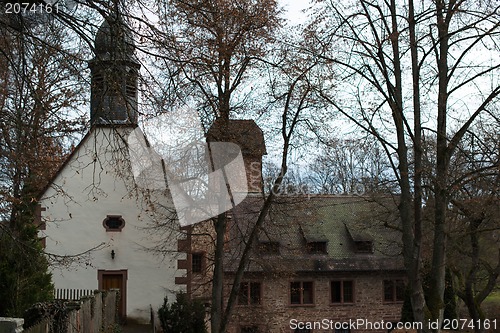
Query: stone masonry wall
point(275, 312)
point(11, 325)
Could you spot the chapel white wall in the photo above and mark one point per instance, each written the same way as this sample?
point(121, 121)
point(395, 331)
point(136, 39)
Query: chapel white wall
point(95, 183)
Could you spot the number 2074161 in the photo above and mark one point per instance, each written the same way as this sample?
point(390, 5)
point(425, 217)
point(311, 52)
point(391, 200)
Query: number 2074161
point(462, 324)
point(30, 8)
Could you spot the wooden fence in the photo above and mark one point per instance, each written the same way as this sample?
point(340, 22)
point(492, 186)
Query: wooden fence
point(91, 314)
point(72, 294)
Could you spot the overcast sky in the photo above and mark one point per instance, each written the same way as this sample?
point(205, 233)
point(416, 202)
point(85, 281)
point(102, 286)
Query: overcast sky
point(293, 10)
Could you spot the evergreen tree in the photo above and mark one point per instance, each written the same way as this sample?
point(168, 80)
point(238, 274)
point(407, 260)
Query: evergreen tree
point(24, 276)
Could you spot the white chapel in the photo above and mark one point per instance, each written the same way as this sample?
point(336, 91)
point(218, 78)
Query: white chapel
point(104, 230)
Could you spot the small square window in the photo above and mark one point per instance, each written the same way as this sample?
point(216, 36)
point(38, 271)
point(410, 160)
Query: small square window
point(269, 247)
point(196, 262)
point(364, 246)
point(301, 293)
point(250, 293)
point(394, 290)
point(316, 247)
point(249, 329)
point(342, 291)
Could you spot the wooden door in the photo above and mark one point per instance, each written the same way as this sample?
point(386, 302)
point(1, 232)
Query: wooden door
point(115, 280)
point(112, 281)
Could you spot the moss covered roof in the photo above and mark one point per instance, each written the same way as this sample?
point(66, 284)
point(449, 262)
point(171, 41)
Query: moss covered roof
point(342, 222)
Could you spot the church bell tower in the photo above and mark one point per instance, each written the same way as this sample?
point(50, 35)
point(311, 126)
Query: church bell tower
point(114, 75)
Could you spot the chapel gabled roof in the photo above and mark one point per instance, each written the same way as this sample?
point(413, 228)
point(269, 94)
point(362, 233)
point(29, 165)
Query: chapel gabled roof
point(66, 161)
point(72, 155)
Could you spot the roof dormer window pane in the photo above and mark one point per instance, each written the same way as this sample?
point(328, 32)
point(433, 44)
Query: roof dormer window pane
point(316, 247)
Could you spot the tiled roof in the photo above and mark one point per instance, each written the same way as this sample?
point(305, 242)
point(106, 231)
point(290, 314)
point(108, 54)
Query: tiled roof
point(340, 221)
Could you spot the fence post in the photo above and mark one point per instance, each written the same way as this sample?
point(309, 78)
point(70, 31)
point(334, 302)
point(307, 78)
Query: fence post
point(114, 302)
point(73, 316)
point(97, 311)
point(110, 307)
point(153, 319)
point(86, 314)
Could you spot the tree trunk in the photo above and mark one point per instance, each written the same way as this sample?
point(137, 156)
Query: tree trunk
point(438, 267)
point(411, 244)
point(218, 277)
point(417, 296)
point(473, 306)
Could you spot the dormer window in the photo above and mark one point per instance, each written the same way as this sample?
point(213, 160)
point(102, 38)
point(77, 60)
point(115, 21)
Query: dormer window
point(364, 246)
point(269, 247)
point(316, 247)
point(363, 242)
point(315, 239)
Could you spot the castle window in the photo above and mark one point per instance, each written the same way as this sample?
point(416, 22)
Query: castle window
point(269, 247)
point(364, 246)
point(113, 223)
point(301, 293)
point(196, 262)
point(250, 293)
point(316, 247)
point(342, 292)
point(394, 291)
point(249, 329)
point(342, 330)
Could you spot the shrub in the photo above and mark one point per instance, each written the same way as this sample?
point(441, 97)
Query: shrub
point(183, 316)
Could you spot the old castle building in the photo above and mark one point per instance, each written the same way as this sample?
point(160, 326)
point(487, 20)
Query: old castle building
point(319, 262)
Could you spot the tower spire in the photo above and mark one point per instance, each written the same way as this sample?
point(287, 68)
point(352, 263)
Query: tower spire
point(114, 75)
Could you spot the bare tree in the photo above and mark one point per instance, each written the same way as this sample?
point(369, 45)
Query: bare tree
point(38, 99)
point(475, 219)
point(297, 104)
point(406, 70)
point(350, 166)
point(209, 49)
